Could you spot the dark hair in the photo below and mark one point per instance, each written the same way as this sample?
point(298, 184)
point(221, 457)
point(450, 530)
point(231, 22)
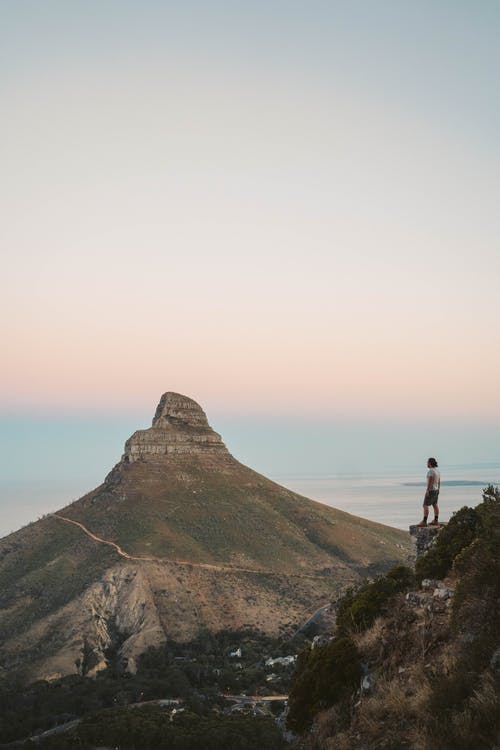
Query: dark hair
point(432, 462)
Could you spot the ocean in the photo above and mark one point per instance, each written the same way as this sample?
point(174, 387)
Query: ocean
point(393, 497)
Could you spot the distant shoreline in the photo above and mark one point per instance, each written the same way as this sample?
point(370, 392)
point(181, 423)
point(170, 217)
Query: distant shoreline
point(450, 483)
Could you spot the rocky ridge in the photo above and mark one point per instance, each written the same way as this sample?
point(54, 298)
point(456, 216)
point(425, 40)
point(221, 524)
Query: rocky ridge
point(180, 427)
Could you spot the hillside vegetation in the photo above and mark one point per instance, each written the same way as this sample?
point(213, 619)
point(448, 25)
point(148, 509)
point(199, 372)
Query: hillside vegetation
point(423, 663)
point(179, 537)
point(197, 673)
point(184, 509)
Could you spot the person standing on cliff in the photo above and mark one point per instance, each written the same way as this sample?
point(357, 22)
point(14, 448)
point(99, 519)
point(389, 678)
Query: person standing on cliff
point(432, 492)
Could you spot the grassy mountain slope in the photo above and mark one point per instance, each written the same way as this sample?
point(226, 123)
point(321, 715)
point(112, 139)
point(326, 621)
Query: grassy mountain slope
point(202, 514)
point(215, 545)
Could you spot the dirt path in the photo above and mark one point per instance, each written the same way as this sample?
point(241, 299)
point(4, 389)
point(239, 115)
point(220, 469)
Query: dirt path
point(205, 566)
point(103, 541)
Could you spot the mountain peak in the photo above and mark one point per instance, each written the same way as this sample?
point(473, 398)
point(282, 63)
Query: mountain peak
point(180, 427)
point(179, 410)
point(180, 536)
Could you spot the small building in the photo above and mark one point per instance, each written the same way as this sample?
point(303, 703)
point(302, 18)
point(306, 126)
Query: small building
point(283, 661)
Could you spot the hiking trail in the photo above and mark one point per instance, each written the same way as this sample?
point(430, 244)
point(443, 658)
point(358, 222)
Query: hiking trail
point(204, 566)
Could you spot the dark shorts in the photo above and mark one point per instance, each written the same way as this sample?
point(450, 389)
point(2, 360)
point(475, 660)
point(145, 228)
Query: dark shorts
point(431, 498)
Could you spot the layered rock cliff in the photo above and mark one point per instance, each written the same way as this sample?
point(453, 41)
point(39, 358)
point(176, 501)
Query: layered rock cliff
point(180, 427)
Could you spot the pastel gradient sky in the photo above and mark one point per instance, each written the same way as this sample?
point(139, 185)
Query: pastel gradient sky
point(284, 209)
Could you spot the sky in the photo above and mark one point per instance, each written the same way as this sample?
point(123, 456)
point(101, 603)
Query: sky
point(285, 210)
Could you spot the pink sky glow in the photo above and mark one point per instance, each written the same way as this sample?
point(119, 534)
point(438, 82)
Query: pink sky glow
point(283, 218)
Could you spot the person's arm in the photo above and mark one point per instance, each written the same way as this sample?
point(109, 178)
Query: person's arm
point(430, 481)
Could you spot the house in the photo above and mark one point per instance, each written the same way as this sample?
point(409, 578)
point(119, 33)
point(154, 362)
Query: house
point(283, 661)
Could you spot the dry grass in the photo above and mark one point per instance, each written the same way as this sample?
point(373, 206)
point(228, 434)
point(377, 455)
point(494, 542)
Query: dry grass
point(472, 727)
point(393, 700)
point(403, 652)
point(371, 642)
point(392, 717)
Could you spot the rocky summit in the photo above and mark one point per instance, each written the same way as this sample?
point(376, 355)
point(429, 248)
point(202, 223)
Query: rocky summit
point(180, 427)
point(179, 537)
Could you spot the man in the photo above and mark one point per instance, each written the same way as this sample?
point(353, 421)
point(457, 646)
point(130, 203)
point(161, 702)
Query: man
point(431, 493)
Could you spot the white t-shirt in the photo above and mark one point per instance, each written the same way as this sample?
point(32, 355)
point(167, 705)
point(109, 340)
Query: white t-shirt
point(436, 478)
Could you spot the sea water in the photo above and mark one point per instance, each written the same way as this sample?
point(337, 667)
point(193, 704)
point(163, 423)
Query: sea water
point(393, 497)
point(24, 501)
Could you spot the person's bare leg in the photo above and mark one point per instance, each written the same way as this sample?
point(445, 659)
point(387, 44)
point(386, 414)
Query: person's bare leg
point(436, 514)
point(423, 522)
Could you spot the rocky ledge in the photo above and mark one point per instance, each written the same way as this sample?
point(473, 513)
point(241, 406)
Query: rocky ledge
point(424, 537)
point(180, 426)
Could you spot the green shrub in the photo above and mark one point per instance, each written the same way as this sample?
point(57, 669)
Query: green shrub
point(461, 531)
point(476, 604)
point(150, 729)
point(360, 607)
point(465, 703)
point(325, 676)
point(175, 670)
point(489, 513)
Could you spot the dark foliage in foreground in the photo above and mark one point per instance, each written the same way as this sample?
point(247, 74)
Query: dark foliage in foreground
point(466, 701)
point(361, 606)
point(455, 704)
point(176, 670)
point(328, 675)
point(462, 528)
point(152, 729)
point(325, 675)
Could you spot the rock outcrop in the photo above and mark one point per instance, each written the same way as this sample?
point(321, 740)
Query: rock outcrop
point(424, 537)
point(180, 427)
